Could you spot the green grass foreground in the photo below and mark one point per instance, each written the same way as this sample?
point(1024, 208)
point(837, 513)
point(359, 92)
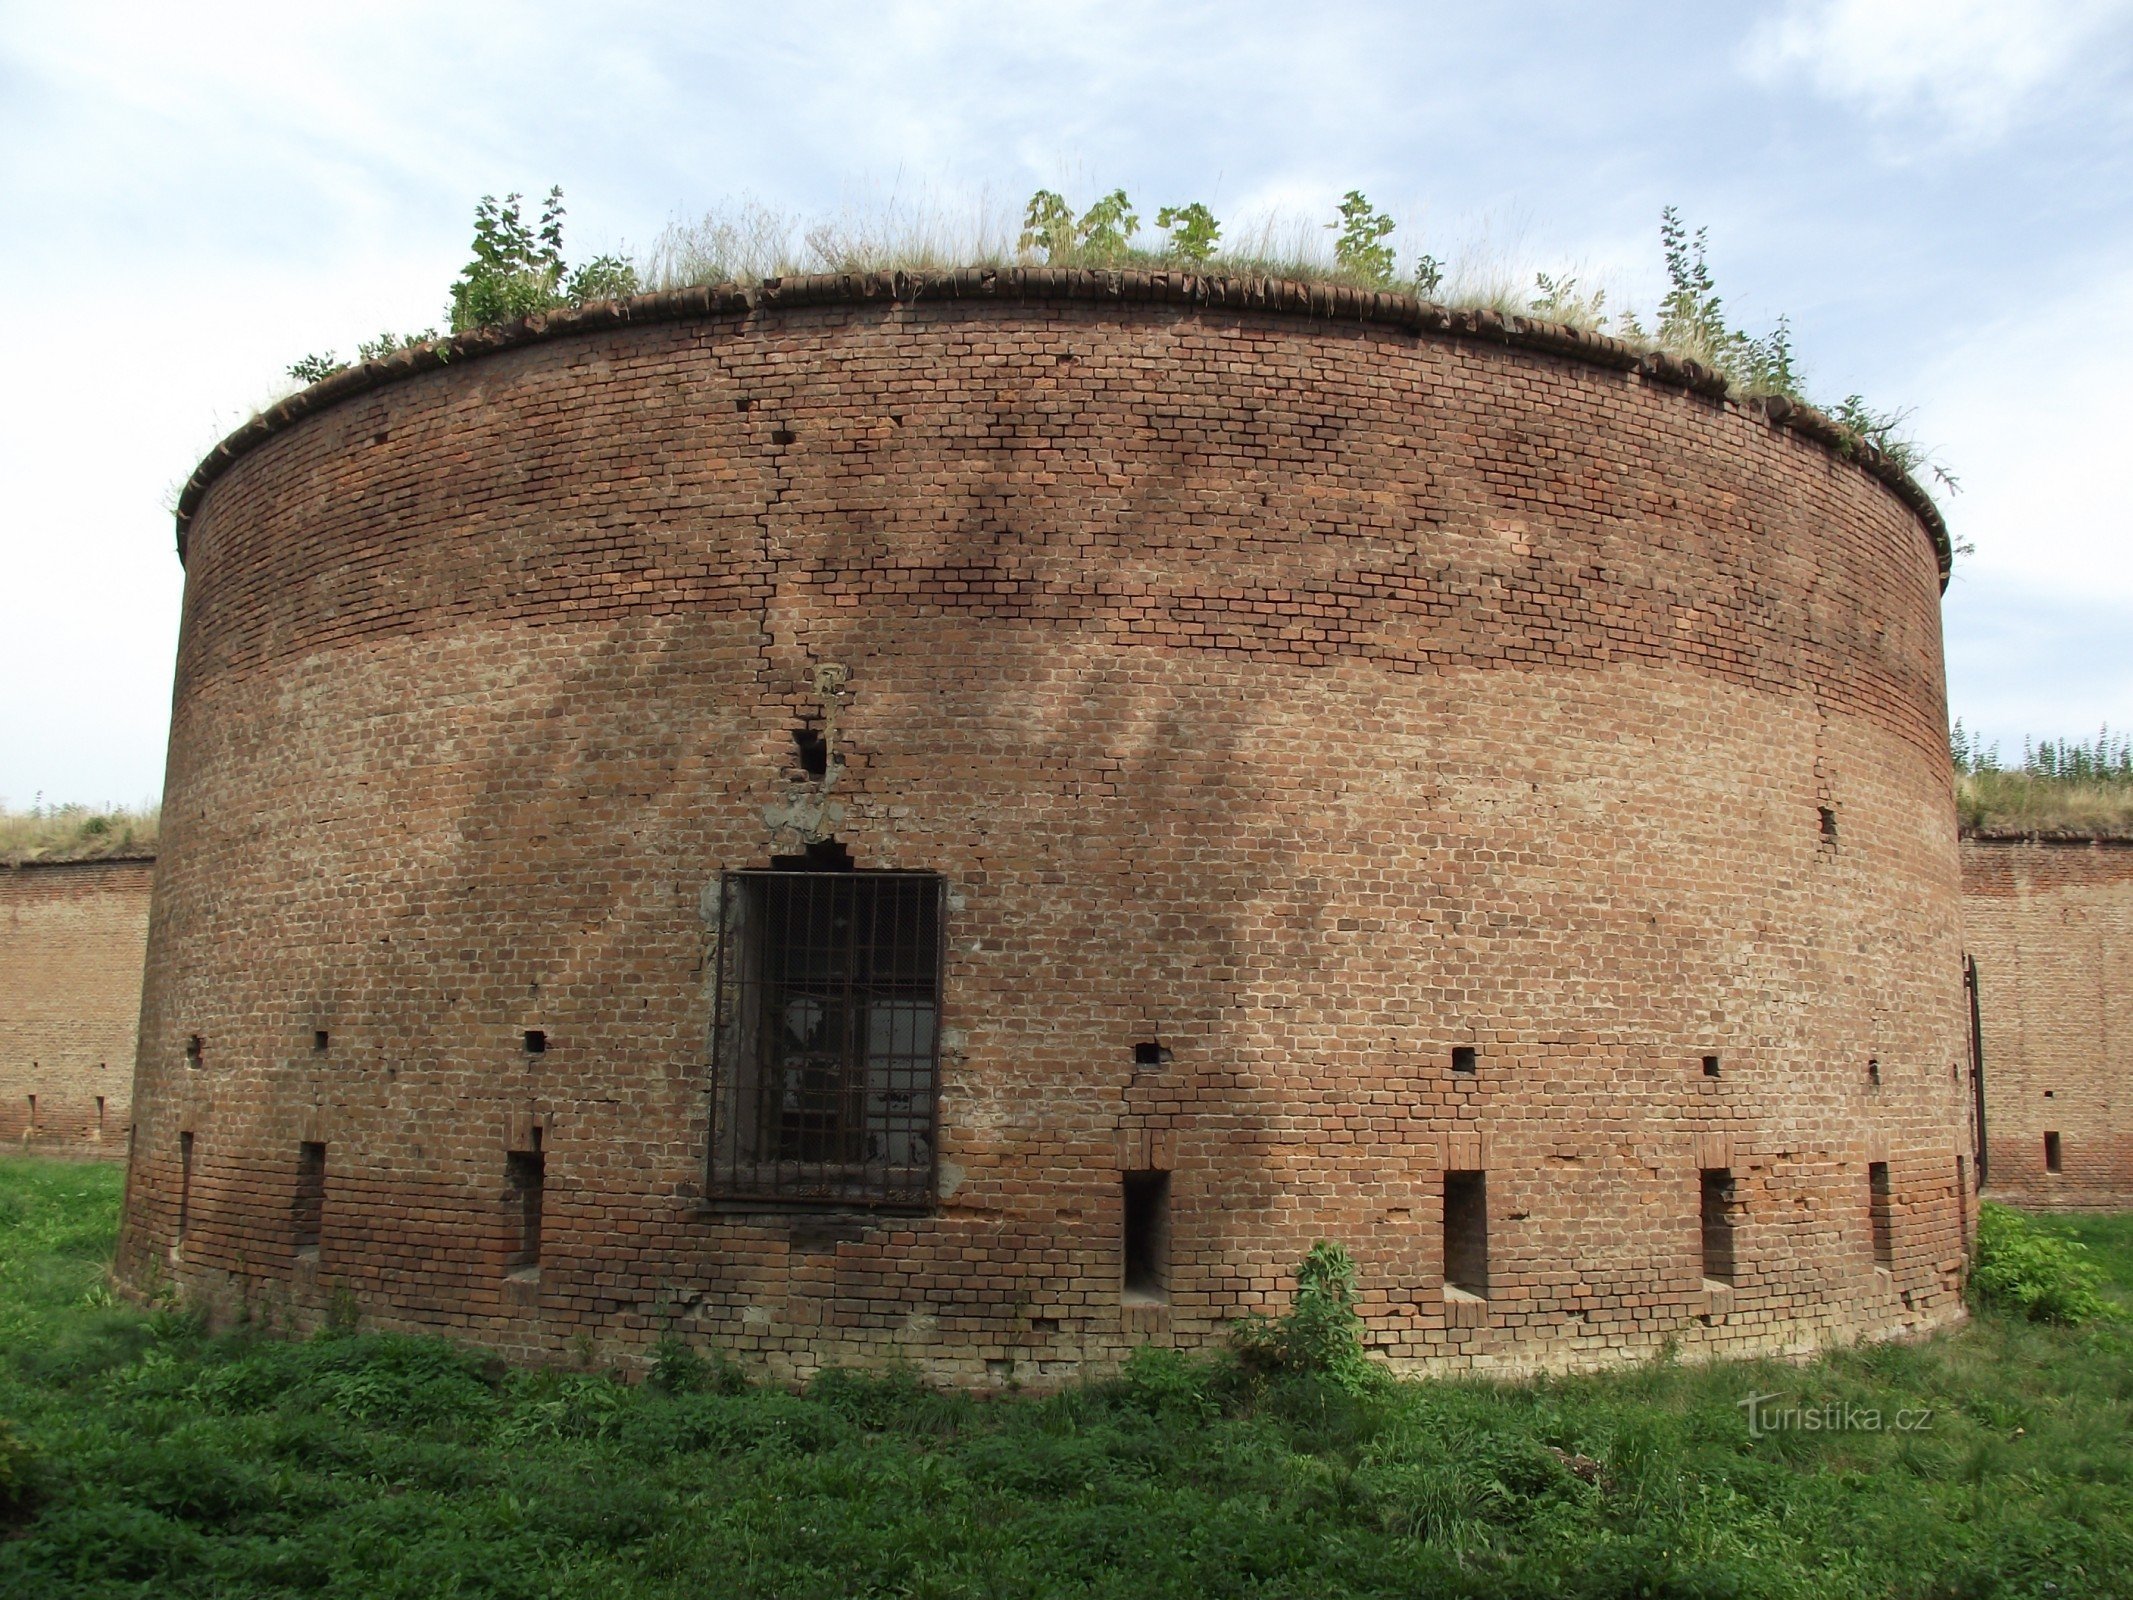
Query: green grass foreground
point(158, 1461)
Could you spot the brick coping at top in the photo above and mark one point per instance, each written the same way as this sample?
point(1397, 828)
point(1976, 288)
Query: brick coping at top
point(1283, 296)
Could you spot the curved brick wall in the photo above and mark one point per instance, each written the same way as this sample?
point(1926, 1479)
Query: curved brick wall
point(2049, 923)
point(1314, 695)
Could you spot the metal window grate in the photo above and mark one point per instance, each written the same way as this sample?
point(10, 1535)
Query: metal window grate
point(826, 1048)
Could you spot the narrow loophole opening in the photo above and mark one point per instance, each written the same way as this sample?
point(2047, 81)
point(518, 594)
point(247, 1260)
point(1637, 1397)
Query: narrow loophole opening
point(307, 1211)
point(1710, 1066)
point(1466, 1232)
point(1146, 1245)
point(525, 1180)
point(1718, 1209)
point(2051, 1152)
point(1880, 1206)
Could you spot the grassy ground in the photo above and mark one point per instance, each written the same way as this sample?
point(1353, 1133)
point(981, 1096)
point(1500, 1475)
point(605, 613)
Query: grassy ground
point(165, 1463)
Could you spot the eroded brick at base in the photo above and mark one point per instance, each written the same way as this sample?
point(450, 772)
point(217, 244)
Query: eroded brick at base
point(1284, 706)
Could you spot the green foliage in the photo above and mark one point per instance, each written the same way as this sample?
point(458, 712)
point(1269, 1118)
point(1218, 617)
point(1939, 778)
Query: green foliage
point(678, 1368)
point(2025, 1271)
point(517, 268)
point(1098, 236)
point(14, 1471)
point(1048, 225)
point(176, 1464)
point(1359, 245)
point(316, 367)
point(1193, 231)
point(602, 278)
point(1429, 276)
point(1321, 1336)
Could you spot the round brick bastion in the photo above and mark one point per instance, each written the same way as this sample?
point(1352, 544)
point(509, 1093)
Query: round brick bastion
point(971, 819)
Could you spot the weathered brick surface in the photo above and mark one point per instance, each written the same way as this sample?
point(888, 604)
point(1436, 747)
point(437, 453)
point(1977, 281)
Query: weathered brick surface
point(72, 937)
point(1317, 696)
point(2050, 924)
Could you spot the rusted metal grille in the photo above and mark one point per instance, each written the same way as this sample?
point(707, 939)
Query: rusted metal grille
point(826, 1055)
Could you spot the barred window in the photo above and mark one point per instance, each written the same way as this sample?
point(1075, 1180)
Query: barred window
point(825, 1061)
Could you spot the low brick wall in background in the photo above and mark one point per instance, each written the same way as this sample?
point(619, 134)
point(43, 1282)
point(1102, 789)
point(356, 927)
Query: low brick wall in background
point(72, 935)
point(2049, 923)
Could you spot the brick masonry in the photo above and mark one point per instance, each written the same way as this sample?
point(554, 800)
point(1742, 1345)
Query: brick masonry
point(72, 936)
point(1317, 696)
point(2049, 923)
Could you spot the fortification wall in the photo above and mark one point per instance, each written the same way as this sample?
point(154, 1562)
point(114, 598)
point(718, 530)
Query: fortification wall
point(72, 940)
point(1288, 705)
point(2049, 923)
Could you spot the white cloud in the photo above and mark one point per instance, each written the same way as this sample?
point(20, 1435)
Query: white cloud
point(1972, 65)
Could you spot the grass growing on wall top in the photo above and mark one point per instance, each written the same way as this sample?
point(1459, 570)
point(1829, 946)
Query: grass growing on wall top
point(156, 1460)
point(76, 833)
point(2070, 787)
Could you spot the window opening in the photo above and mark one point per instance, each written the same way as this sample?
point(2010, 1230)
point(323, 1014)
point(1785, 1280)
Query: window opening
point(1465, 1058)
point(2051, 1152)
point(826, 1047)
point(1710, 1066)
point(1147, 1237)
point(1718, 1206)
point(1466, 1232)
point(536, 1041)
point(307, 1214)
point(1878, 1213)
point(525, 1176)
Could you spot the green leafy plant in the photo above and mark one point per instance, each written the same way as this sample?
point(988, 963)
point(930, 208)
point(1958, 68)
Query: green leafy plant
point(2024, 1271)
point(1429, 276)
point(1047, 225)
point(1321, 1336)
point(517, 268)
point(1098, 235)
point(1193, 231)
point(1359, 244)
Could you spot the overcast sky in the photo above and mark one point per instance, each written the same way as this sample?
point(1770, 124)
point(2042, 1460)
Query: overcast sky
point(1936, 191)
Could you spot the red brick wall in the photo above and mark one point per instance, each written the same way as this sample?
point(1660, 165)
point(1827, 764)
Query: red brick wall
point(71, 943)
point(2050, 925)
point(1319, 697)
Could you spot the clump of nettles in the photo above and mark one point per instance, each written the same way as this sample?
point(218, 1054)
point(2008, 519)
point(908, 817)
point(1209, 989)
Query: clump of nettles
point(1321, 1337)
point(2024, 1271)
